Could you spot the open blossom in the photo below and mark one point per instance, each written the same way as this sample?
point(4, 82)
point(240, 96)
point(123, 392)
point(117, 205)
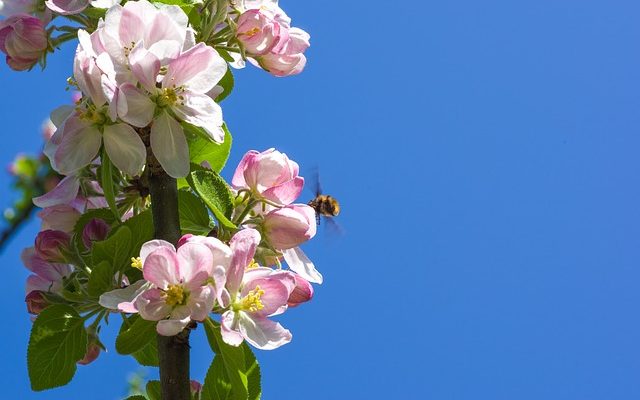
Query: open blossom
point(23, 39)
point(270, 175)
point(181, 291)
point(46, 277)
point(252, 295)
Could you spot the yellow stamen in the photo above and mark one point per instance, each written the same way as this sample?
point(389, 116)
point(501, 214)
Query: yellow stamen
point(252, 32)
point(252, 265)
point(136, 262)
point(252, 301)
point(175, 295)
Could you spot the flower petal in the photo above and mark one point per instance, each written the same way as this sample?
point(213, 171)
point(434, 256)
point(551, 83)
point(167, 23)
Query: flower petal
point(200, 110)
point(135, 107)
point(201, 302)
point(161, 268)
point(199, 69)
point(152, 306)
point(195, 263)
point(63, 193)
point(77, 149)
point(230, 335)
point(171, 327)
point(150, 246)
point(243, 246)
point(299, 263)
point(170, 146)
point(263, 333)
point(125, 148)
point(122, 299)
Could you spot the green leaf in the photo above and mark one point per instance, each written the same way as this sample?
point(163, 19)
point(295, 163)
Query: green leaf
point(154, 390)
point(101, 279)
point(116, 249)
point(106, 182)
point(58, 340)
point(136, 336)
point(147, 355)
point(141, 227)
point(202, 148)
point(136, 397)
point(240, 364)
point(95, 13)
point(194, 217)
point(213, 190)
point(227, 83)
point(216, 384)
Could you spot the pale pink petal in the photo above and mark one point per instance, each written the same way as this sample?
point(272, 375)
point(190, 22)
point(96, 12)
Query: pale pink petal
point(275, 294)
point(195, 263)
point(152, 306)
point(243, 245)
point(170, 146)
point(145, 67)
point(285, 193)
point(123, 299)
point(200, 110)
point(229, 333)
point(67, 7)
point(151, 246)
point(35, 282)
point(299, 263)
point(161, 268)
point(77, 149)
point(60, 217)
point(165, 50)
point(134, 106)
point(263, 333)
point(199, 69)
point(125, 148)
point(201, 302)
point(238, 181)
point(63, 193)
point(171, 327)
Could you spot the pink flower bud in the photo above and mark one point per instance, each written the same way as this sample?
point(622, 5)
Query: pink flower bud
point(36, 302)
point(61, 217)
point(258, 33)
point(184, 239)
point(287, 57)
point(196, 388)
point(302, 293)
point(290, 226)
point(23, 39)
point(93, 351)
point(51, 245)
point(94, 231)
point(269, 174)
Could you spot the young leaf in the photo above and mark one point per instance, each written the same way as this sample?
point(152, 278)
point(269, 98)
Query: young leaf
point(136, 336)
point(213, 190)
point(58, 340)
point(116, 249)
point(216, 384)
point(202, 148)
point(106, 182)
point(154, 390)
point(241, 366)
point(194, 217)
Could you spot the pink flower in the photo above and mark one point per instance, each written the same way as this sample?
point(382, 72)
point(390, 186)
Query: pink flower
point(64, 193)
point(253, 296)
point(289, 59)
point(182, 95)
point(61, 217)
point(23, 39)
point(258, 32)
point(67, 7)
point(181, 291)
point(302, 292)
point(290, 226)
point(95, 230)
point(46, 277)
point(270, 175)
point(52, 245)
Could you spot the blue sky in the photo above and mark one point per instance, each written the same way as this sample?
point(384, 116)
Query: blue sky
point(486, 157)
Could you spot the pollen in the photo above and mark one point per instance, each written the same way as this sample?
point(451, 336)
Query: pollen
point(252, 32)
point(136, 262)
point(175, 295)
point(252, 265)
point(251, 302)
point(170, 96)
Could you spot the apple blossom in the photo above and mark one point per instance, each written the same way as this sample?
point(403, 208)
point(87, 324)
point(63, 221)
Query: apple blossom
point(289, 226)
point(52, 245)
point(61, 217)
point(258, 32)
point(23, 39)
point(270, 175)
point(302, 292)
point(47, 277)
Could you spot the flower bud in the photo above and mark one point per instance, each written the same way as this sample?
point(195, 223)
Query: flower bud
point(269, 174)
point(51, 245)
point(184, 239)
point(36, 302)
point(61, 217)
point(93, 351)
point(94, 231)
point(302, 293)
point(290, 226)
point(23, 39)
point(258, 33)
point(287, 57)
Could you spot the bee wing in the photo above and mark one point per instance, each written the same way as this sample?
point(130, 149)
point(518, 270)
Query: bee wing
point(333, 228)
point(313, 181)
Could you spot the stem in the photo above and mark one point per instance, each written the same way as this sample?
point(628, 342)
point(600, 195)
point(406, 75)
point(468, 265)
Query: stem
point(173, 351)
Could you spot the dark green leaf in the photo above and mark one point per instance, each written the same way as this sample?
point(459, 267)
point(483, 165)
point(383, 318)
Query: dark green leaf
point(154, 390)
point(106, 181)
point(241, 366)
point(202, 148)
point(101, 279)
point(116, 249)
point(58, 340)
point(141, 227)
point(216, 384)
point(194, 217)
point(213, 190)
point(136, 397)
point(227, 83)
point(136, 336)
point(148, 355)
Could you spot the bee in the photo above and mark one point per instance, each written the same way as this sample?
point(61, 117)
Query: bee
point(324, 205)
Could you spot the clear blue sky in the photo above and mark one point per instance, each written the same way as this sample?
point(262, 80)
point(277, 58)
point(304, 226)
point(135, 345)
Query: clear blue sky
point(486, 157)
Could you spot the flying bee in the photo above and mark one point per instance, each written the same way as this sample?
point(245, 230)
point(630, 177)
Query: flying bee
point(324, 205)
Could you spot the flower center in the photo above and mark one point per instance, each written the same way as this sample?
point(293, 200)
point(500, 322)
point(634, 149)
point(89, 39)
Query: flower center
point(251, 302)
point(136, 262)
point(175, 295)
point(93, 115)
point(169, 97)
point(252, 32)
